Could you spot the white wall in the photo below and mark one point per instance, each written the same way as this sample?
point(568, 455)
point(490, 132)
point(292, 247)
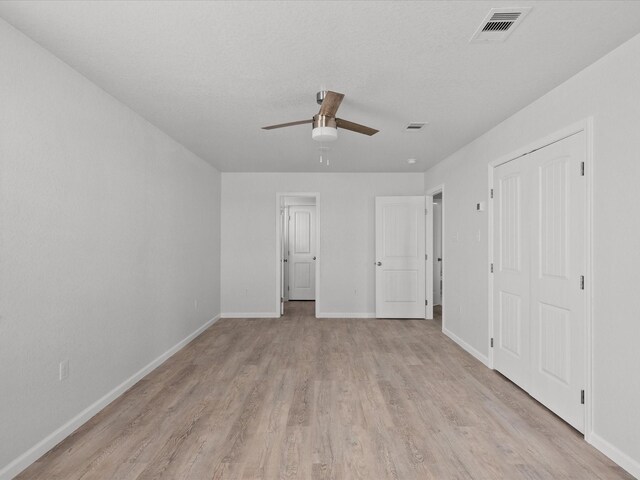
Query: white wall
point(346, 255)
point(608, 90)
point(109, 230)
point(288, 201)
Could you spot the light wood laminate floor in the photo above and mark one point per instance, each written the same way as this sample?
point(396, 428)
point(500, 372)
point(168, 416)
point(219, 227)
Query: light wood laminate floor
point(314, 399)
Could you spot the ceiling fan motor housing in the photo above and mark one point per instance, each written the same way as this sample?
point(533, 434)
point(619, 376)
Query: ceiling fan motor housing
point(324, 128)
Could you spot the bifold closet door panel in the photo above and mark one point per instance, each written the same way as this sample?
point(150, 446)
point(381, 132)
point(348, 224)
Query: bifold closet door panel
point(558, 308)
point(512, 271)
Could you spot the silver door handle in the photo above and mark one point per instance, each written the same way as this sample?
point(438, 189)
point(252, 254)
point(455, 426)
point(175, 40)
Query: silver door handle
point(379, 264)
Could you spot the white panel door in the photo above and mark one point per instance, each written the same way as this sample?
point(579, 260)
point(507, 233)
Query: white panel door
point(302, 252)
point(558, 310)
point(511, 353)
point(400, 261)
point(539, 260)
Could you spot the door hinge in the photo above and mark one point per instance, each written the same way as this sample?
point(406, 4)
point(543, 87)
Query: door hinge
point(581, 397)
point(492, 268)
point(426, 257)
point(288, 287)
point(281, 299)
point(581, 282)
point(492, 193)
point(426, 212)
point(491, 342)
point(582, 169)
point(426, 302)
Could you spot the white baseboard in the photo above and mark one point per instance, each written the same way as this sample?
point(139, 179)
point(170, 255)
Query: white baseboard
point(250, 315)
point(34, 453)
point(347, 315)
point(465, 346)
point(625, 461)
point(276, 315)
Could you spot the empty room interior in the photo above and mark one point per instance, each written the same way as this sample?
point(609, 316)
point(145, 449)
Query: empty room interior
point(319, 240)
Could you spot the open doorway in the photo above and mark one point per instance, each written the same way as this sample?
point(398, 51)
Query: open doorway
point(298, 247)
point(437, 194)
point(437, 254)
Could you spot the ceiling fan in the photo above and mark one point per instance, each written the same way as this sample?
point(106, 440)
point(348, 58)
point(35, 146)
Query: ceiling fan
point(325, 124)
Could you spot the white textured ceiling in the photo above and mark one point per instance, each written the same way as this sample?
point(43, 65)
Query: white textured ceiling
point(210, 74)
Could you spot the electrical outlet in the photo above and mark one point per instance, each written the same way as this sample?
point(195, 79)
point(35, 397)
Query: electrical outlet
point(63, 370)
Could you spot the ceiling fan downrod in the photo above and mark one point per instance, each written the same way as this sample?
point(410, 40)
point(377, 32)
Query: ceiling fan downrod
point(320, 96)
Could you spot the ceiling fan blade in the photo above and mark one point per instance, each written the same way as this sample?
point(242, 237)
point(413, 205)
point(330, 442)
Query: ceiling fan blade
point(330, 104)
point(355, 127)
point(290, 124)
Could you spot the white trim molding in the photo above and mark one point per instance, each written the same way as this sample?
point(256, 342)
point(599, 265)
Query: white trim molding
point(34, 453)
point(466, 347)
point(621, 458)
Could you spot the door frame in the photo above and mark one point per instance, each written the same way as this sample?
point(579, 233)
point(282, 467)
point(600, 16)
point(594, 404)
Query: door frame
point(434, 191)
point(586, 126)
point(279, 293)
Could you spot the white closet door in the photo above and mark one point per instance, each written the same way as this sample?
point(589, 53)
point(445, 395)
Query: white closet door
point(400, 261)
point(512, 272)
point(558, 309)
point(539, 261)
point(302, 252)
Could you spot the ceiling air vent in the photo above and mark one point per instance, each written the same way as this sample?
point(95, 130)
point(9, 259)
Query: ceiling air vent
point(499, 24)
point(413, 126)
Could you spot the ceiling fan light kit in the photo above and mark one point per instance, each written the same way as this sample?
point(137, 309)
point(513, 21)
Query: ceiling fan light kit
point(324, 129)
point(325, 124)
